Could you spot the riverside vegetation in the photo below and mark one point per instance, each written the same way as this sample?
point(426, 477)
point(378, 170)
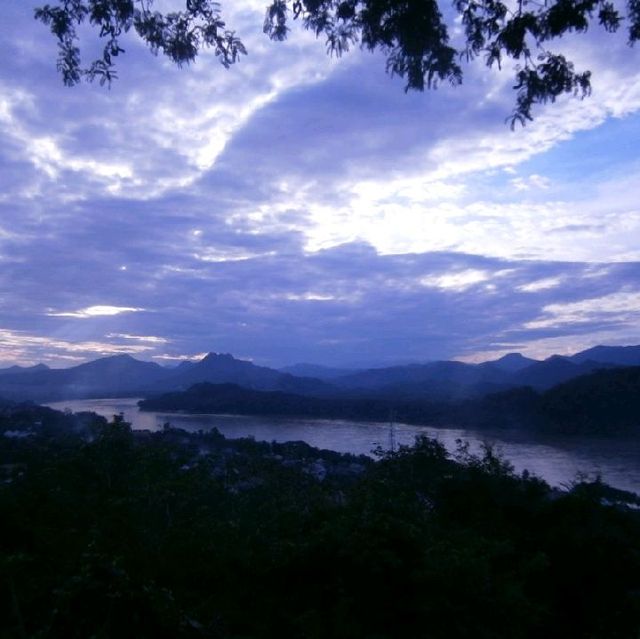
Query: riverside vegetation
point(109, 532)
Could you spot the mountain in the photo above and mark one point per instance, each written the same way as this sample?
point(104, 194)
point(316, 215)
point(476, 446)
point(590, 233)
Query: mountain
point(119, 372)
point(619, 355)
point(183, 366)
point(511, 363)
point(452, 380)
point(435, 380)
point(218, 368)
point(17, 370)
point(123, 375)
point(552, 371)
point(107, 376)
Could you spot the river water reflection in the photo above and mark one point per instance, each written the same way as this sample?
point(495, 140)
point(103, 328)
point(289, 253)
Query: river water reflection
point(558, 460)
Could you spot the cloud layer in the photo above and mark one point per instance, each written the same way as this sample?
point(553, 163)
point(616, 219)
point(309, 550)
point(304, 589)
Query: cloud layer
point(302, 208)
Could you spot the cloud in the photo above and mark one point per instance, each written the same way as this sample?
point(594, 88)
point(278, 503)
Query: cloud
point(95, 311)
point(622, 306)
point(26, 348)
point(541, 285)
point(457, 281)
point(150, 339)
point(299, 207)
point(339, 305)
point(533, 181)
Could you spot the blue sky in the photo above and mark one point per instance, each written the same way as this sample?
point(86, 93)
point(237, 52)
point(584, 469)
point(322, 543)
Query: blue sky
point(303, 208)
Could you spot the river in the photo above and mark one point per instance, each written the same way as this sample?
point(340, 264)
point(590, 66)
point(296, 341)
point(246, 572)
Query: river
point(557, 460)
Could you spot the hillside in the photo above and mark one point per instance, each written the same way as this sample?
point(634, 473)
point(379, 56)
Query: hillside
point(604, 403)
point(234, 399)
point(607, 401)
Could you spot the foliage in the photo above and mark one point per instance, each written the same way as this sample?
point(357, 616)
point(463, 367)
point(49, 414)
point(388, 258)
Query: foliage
point(179, 35)
point(112, 533)
point(413, 34)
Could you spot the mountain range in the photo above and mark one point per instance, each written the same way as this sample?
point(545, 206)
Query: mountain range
point(123, 375)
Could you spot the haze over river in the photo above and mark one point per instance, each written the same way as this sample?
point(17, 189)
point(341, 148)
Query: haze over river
point(557, 460)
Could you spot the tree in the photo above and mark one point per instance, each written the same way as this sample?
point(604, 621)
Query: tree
point(413, 34)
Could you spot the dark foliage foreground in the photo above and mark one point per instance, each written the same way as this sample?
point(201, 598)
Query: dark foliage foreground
point(412, 34)
point(109, 533)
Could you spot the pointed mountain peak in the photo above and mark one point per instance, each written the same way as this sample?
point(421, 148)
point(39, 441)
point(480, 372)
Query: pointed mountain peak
point(512, 357)
point(120, 357)
point(512, 362)
point(25, 369)
point(120, 361)
point(219, 357)
point(557, 358)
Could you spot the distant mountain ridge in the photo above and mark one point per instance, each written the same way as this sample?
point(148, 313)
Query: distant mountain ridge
point(620, 355)
point(457, 380)
point(16, 370)
point(108, 376)
point(223, 368)
point(123, 375)
point(436, 380)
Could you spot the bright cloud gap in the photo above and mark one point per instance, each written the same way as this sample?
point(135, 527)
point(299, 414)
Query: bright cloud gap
point(96, 311)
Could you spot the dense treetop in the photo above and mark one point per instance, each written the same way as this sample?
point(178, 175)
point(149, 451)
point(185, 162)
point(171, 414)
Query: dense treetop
point(413, 34)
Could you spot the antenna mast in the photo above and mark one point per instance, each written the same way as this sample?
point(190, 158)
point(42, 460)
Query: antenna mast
point(392, 432)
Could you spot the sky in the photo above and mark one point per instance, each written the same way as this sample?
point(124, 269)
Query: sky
point(303, 208)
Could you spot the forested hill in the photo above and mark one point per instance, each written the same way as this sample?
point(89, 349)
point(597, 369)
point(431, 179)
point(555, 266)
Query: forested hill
point(606, 399)
point(606, 402)
point(233, 399)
